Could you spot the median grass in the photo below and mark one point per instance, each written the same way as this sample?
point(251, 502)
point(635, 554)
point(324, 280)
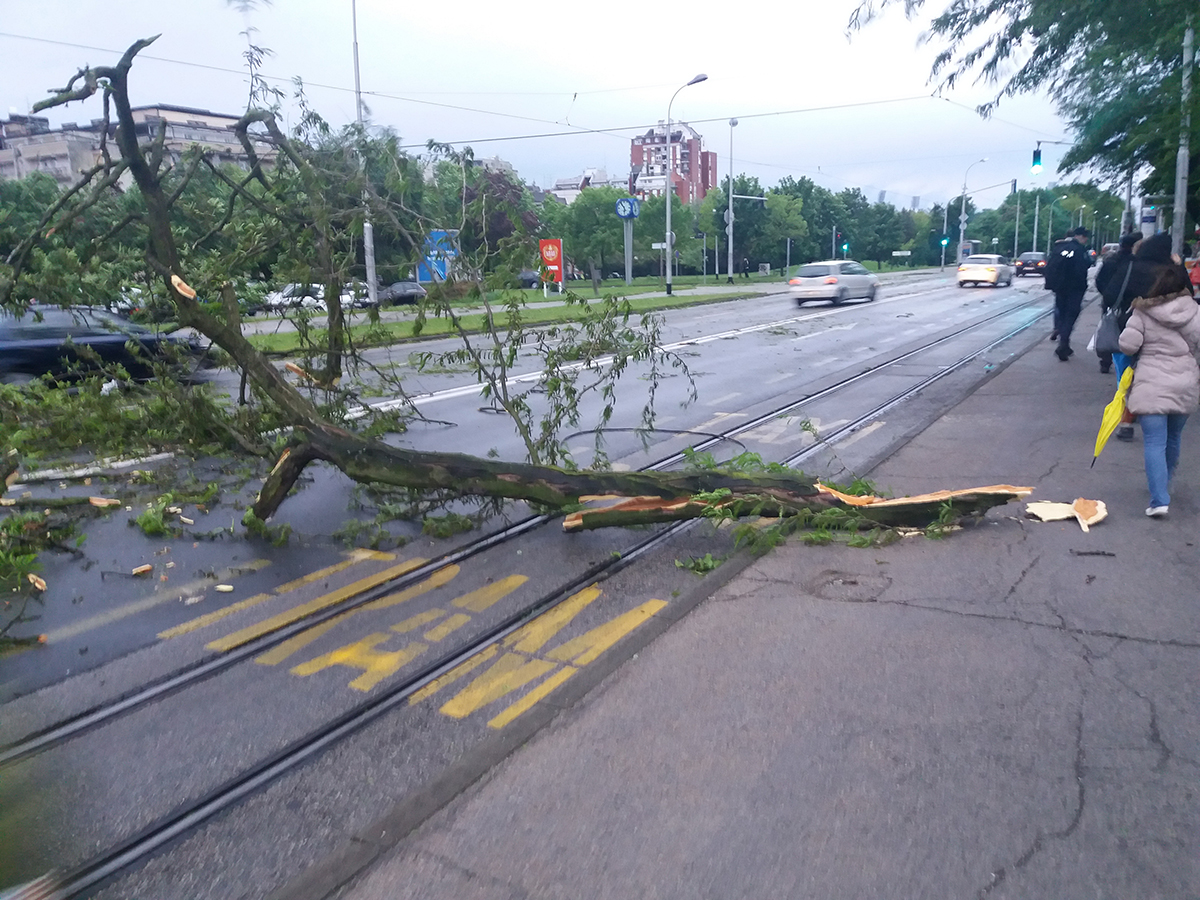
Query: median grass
point(372, 334)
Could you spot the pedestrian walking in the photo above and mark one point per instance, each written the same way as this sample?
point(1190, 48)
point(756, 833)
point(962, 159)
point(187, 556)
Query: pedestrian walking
point(1164, 334)
point(1066, 275)
point(745, 267)
point(1112, 281)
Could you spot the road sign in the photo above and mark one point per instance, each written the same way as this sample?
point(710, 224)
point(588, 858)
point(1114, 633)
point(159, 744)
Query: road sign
point(552, 262)
point(661, 245)
point(728, 216)
point(901, 253)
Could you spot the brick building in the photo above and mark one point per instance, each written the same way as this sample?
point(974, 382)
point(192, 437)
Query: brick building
point(693, 170)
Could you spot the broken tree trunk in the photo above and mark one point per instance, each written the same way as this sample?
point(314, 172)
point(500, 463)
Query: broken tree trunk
point(652, 496)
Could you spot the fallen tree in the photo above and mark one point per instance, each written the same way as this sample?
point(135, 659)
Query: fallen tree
point(649, 496)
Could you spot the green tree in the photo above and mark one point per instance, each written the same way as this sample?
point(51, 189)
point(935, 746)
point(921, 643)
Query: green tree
point(785, 221)
point(591, 231)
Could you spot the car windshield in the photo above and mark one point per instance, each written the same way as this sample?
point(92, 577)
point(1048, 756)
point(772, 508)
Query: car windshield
point(813, 271)
point(1031, 257)
point(981, 260)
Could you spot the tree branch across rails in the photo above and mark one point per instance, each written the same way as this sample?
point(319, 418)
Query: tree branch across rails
point(651, 496)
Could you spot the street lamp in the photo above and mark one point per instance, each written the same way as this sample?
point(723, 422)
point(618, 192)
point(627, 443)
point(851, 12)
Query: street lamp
point(962, 212)
point(670, 188)
point(729, 208)
point(1050, 221)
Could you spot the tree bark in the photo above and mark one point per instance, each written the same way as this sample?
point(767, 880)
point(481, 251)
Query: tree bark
point(654, 496)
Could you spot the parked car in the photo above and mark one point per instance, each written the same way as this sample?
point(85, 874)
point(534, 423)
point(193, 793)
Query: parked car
point(985, 268)
point(838, 280)
point(51, 340)
point(402, 292)
point(1031, 263)
point(296, 296)
point(529, 278)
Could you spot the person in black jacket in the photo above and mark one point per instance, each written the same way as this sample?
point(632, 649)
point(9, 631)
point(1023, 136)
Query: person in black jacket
point(1112, 281)
point(1066, 275)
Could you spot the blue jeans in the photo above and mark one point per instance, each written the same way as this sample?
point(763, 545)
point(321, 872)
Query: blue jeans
point(1121, 362)
point(1162, 434)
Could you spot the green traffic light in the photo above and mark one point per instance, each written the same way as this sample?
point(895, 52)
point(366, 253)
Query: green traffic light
point(845, 246)
point(1037, 161)
point(945, 241)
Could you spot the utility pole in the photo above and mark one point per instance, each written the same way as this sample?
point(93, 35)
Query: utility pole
point(729, 208)
point(368, 230)
point(1037, 205)
point(1017, 227)
point(1179, 217)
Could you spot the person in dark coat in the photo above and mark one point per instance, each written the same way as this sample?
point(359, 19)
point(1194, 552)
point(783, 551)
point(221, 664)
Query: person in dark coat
point(1066, 275)
point(1114, 293)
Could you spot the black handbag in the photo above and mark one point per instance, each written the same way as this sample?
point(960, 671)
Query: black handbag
point(1108, 332)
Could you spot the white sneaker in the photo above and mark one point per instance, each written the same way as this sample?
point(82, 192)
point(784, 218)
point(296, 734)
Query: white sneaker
point(1157, 512)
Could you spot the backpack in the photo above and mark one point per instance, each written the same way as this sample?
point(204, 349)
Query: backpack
point(1054, 267)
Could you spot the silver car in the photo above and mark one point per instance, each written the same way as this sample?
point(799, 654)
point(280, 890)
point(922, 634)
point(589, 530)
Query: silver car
point(985, 268)
point(838, 280)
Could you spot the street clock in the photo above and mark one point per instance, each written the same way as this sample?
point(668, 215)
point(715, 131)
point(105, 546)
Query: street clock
point(628, 208)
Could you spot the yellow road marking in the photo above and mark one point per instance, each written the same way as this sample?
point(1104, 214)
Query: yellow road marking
point(587, 647)
point(542, 690)
point(355, 557)
point(531, 637)
point(414, 622)
point(136, 606)
point(507, 674)
point(306, 637)
point(376, 665)
point(218, 615)
point(451, 624)
point(481, 599)
point(454, 674)
point(276, 655)
point(296, 613)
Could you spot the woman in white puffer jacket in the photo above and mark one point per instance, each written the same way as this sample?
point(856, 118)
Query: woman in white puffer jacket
point(1164, 333)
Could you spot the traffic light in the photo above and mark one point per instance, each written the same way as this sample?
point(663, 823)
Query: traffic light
point(945, 241)
point(1037, 161)
point(845, 247)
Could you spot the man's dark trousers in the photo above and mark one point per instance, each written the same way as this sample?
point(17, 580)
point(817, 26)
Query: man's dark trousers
point(1066, 308)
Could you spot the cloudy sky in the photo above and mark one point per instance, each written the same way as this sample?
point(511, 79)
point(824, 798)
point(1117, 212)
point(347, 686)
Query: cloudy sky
point(557, 87)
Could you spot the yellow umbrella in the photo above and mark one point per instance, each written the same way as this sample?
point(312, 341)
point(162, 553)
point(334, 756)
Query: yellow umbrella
point(1113, 412)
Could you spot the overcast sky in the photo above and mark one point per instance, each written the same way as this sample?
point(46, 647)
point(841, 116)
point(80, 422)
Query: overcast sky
point(853, 111)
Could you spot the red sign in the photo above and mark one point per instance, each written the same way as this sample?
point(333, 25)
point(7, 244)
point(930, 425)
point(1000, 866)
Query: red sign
point(552, 259)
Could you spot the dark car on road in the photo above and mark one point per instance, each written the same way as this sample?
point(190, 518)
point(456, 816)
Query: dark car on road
point(67, 343)
point(401, 292)
point(1030, 264)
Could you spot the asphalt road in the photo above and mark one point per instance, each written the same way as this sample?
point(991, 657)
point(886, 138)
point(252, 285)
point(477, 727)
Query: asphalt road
point(745, 357)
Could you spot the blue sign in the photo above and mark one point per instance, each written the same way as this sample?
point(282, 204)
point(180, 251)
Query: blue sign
point(629, 208)
point(440, 252)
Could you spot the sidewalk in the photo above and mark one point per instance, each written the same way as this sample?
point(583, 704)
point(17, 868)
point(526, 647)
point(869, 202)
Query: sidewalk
point(1009, 711)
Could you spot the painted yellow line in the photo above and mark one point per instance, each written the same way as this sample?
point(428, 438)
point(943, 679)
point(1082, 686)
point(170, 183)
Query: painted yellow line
point(217, 616)
point(454, 674)
point(509, 672)
point(136, 606)
point(587, 647)
point(452, 624)
point(355, 557)
point(531, 637)
point(296, 613)
point(542, 690)
point(412, 623)
point(276, 655)
point(481, 599)
point(375, 665)
point(306, 637)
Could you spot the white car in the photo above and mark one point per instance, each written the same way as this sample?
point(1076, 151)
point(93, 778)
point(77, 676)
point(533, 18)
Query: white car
point(296, 296)
point(834, 279)
point(986, 268)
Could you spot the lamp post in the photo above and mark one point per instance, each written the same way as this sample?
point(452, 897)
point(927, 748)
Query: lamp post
point(729, 208)
point(368, 230)
point(1050, 221)
point(670, 188)
point(962, 212)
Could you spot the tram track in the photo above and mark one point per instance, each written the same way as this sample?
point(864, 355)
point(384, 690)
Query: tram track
point(66, 729)
point(253, 778)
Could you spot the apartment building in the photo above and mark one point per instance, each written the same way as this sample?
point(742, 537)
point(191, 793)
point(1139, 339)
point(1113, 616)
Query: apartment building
point(653, 160)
